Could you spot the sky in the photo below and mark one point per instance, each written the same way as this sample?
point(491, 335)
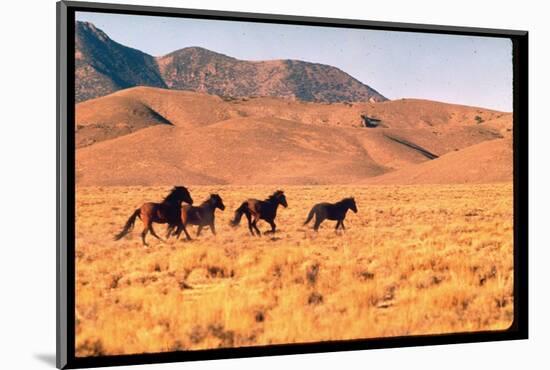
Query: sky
point(467, 70)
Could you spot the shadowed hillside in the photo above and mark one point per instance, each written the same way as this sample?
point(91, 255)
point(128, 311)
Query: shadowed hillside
point(489, 161)
point(103, 66)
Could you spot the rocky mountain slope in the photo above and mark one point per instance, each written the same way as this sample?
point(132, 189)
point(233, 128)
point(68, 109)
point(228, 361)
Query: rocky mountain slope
point(104, 66)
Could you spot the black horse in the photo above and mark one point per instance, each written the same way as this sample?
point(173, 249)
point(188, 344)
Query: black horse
point(202, 216)
point(166, 212)
point(255, 210)
point(336, 211)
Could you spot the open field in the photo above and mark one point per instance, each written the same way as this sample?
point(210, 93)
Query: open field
point(414, 260)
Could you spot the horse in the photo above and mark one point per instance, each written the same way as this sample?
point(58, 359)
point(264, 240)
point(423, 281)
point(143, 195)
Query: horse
point(255, 210)
point(336, 211)
point(168, 211)
point(202, 215)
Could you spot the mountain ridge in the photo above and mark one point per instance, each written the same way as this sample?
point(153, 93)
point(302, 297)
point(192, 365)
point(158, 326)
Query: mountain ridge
point(104, 66)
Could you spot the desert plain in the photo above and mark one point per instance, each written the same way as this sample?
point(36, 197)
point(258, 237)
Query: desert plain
point(416, 259)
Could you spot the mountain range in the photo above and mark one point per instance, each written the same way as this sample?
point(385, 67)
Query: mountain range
point(103, 66)
point(195, 117)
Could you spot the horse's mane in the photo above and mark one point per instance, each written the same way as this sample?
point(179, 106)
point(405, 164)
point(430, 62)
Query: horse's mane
point(172, 194)
point(208, 200)
point(275, 195)
point(345, 200)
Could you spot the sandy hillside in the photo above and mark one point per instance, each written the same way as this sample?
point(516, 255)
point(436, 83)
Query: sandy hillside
point(489, 161)
point(238, 151)
point(150, 136)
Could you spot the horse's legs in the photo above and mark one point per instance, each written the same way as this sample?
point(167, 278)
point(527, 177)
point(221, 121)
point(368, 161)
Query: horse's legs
point(273, 226)
point(342, 225)
point(212, 228)
point(185, 231)
point(170, 231)
point(199, 230)
point(254, 222)
point(317, 223)
point(337, 224)
point(143, 234)
point(250, 224)
point(153, 232)
point(177, 232)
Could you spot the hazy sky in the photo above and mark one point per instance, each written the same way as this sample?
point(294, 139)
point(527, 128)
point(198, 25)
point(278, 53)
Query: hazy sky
point(456, 69)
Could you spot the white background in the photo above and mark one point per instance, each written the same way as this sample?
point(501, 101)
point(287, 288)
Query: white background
point(27, 178)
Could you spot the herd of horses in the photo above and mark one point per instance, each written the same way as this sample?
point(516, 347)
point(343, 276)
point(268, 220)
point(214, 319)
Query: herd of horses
point(178, 216)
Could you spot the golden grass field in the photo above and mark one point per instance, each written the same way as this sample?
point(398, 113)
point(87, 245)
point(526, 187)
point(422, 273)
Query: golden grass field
point(424, 259)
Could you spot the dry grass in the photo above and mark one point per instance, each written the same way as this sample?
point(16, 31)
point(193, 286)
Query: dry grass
point(414, 260)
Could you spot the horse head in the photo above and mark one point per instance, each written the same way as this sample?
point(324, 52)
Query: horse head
point(352, 205)
point(181, 193)
point(217, 201)
point(280, 197)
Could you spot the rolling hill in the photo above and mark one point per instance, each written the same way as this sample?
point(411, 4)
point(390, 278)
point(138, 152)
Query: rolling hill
point(450, 126)
point(489, 161)
point(152, 136)
point(235, 151)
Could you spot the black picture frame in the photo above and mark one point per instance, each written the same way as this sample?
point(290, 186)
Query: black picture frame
point(65, 258)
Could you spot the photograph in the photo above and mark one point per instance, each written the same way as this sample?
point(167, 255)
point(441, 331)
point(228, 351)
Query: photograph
point(241, 183)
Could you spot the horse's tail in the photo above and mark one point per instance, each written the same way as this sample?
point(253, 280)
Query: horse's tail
point(310, 215)
point(239, 213)
point(129, 225)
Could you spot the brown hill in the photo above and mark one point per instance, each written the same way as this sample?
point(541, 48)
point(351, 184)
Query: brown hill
point(108, 118)
point(132, 109)
point(148, 136)
point(104, 66)
point(450, 127)
point(489, 161)
point(235, 151)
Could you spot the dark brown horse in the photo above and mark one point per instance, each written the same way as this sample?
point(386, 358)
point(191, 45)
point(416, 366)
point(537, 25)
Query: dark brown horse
point(202, 216)
point(168, 211)
point(336, 211)
point(255, 210)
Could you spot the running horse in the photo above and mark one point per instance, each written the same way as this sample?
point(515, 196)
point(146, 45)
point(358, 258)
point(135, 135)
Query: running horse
point(166, 212)
point(203, 215)
point(256, 210)
point(336, 211)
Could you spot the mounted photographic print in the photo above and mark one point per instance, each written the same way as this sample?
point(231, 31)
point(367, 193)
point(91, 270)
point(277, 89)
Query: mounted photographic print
point(236, 184)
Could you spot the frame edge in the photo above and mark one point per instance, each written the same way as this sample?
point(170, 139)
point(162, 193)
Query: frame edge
point(61, 355)
point(65, 357)
point(294, 19)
